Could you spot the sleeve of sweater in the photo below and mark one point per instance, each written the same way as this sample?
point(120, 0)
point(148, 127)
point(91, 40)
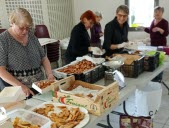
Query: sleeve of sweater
point(94, 33)
point(165, 28)
point(107, 37)
point(3, 50)
point(80, 42)
point(147, 29)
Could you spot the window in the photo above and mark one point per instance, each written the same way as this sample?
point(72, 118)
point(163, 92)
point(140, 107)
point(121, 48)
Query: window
point(141, 12)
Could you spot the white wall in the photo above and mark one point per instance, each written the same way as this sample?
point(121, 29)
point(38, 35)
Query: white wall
point(108, 9)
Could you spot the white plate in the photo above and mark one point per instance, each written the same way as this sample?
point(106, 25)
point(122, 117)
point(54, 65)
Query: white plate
point(113, 64)
point(57, 110)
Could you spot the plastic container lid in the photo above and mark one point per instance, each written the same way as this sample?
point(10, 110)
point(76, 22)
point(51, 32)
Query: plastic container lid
point(30, 117)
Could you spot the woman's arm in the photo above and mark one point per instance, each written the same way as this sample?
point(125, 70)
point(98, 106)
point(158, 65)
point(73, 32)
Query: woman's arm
point(107, 37)
point(94, 33)
point(7, 77)
point(164, 31)
point(114, 46)
point(147, 29)
point(47, 67)
point(79, 42)
point(108, 44)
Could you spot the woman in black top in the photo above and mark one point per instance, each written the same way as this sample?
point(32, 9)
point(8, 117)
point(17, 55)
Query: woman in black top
point(79, 43)
point(116, 32)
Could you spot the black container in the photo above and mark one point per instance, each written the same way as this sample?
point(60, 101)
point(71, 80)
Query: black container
point(95, 75)
point(101, 71)
point(91, 76)
point(151, 62)
point(133, 70)
point(86, 77)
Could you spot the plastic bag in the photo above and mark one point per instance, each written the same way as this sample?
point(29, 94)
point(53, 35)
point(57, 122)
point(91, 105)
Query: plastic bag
point(127, 121)
point(148, 99)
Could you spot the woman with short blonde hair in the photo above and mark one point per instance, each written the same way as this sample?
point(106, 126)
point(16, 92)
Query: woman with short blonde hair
point(20, 16)
point(21, 54)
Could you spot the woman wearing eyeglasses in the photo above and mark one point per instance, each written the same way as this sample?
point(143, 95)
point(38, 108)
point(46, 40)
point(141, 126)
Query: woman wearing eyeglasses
point(116, 32)
point(21, 54)
point(79, 44)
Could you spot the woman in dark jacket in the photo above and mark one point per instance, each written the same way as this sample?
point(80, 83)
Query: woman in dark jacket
point(79, 43)
point(116, 32)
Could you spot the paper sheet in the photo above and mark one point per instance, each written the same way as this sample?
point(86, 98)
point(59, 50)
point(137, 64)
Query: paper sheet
point(44, 41)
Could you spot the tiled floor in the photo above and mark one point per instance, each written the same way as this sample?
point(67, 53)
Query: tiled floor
point(161, 119)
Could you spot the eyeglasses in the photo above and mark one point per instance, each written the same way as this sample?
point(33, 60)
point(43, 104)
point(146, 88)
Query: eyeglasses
point(124, 16)
point(24, 28)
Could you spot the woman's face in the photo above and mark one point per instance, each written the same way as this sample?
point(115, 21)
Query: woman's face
point(98, 19)
point(20, 30)
point(88, 23)
point(158, 14)
point(121, 17)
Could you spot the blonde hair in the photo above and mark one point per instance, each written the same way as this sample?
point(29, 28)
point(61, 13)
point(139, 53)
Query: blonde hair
point(21, 16)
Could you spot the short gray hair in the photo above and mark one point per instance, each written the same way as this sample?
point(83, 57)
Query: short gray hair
point(159, 9)
point(99, 14)
point(123, 8)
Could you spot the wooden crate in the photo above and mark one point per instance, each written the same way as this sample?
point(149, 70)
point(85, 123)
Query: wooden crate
point(107, 96)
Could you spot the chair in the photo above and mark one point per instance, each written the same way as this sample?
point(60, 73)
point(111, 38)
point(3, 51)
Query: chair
point(41, 31)
point(2, 30)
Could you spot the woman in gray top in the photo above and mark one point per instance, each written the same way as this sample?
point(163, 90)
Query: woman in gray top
point(21, 54)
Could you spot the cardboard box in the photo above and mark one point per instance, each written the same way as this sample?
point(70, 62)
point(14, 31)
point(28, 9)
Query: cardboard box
point(44, 89)
point(106, 97)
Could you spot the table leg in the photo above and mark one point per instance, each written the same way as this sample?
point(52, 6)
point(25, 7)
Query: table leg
point(108, 122)
point(124, 107)
point(165, 85)
point(102, 125)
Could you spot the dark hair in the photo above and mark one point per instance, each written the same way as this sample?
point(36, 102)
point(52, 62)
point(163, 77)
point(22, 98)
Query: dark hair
point(123, 8)
point(159, 9)
point(89, 15)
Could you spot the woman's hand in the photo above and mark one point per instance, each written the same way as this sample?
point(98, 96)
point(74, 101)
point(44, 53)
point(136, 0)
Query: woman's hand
point(155, 29)
point(26, 90)
point(101, 34)
point(51, 77)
